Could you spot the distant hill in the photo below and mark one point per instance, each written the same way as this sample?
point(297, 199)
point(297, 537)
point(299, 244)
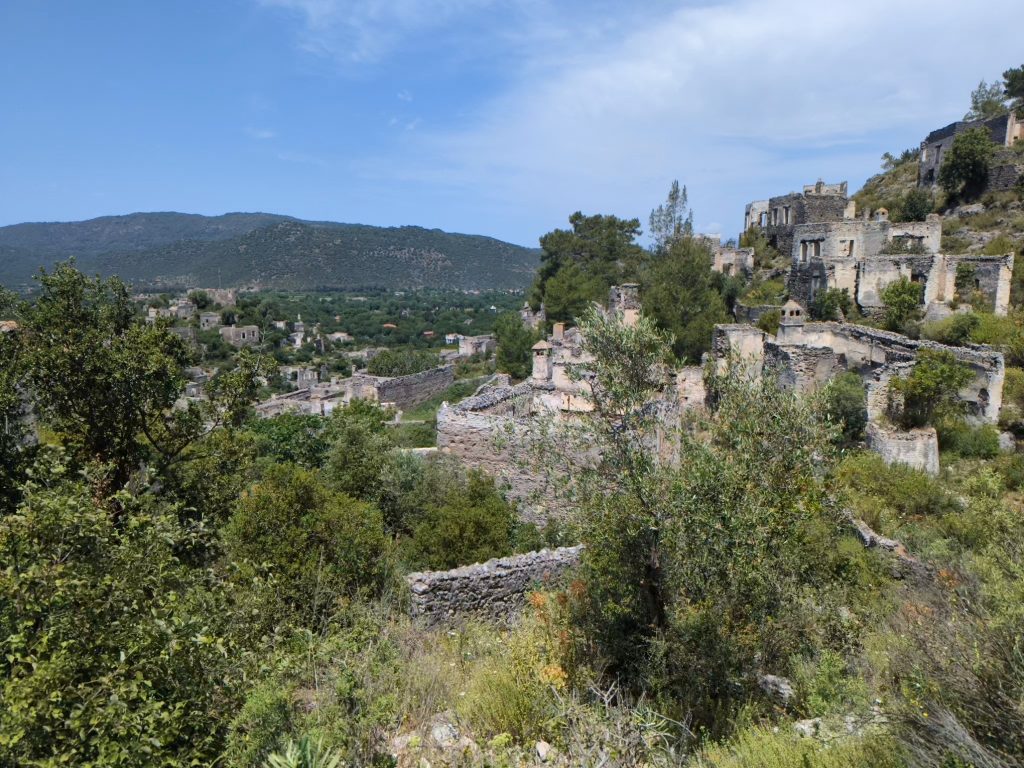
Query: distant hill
point(265, 250)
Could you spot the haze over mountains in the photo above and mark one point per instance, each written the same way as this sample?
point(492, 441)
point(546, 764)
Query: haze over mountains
point(265, 250)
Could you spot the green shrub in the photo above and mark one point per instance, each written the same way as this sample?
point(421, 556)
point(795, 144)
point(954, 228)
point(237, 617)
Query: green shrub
point(260, 724)
point(931, 390)
point(828, 305)
point(956, 436)
point(766, 747)
point(964, 169)
point(955, 331)
point(886, 496)
point(825, 685)
point(402, 362)
point(769, 321)
point(844, 403)
point(764, 292)
point(320, 545)
point(470, 524)
point(902, 300)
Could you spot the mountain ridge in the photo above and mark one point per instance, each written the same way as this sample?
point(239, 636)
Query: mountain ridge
point(171, 249)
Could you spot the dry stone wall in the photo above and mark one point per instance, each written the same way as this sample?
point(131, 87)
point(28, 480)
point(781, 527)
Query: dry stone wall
point(494, 590)
point(407, 391)
point(916, 448)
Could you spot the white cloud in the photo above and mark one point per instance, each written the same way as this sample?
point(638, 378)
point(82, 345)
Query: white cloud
point(607, 102)
point(738, 100)
point(360, 31)
point(404, 95)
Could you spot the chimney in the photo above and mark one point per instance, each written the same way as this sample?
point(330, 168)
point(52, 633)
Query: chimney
point(558, 331)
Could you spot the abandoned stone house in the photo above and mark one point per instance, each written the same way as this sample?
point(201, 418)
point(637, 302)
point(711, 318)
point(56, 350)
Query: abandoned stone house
point(1004, 130)
point(320, 399)
point(208, 320)
point(863, 256)
point(807, 355)
point(779, 216)
point(470, 346)
point(240, 335)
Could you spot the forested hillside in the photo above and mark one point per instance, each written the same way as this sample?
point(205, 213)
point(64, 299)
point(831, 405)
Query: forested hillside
point(180, 250)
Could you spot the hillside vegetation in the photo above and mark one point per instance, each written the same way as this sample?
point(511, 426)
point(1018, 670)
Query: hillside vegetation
point(242, 249)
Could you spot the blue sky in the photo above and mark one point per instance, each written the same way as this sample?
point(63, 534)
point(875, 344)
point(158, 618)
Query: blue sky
point(498, 118)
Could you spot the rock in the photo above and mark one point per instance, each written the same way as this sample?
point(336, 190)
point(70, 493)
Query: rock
point(778, 688)
point(444, 734)
point(543, 750)
point(1007, 442)
point(808, 728)
point(969, 210)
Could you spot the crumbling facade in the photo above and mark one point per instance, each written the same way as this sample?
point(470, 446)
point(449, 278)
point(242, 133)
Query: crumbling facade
point(240, 335)
point(779, 216)
point(865, 255)
point(320, 399)
point(806, 355)
point(1003, 130)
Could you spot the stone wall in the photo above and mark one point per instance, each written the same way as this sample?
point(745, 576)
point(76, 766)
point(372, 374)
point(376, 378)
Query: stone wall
point(753, 314)
point(407, 391)
point(870, 352)
point(916, 448)
point(492, 432)
point(494, 590)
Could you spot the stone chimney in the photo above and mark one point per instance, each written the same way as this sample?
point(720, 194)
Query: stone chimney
point(542, 361)
point(558, 331)
point(624, 300)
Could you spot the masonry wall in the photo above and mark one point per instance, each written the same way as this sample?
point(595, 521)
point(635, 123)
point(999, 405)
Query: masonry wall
point(916, 448)
point(407, 391)
point(494, 590)
point(492, 432)
point(863, 349)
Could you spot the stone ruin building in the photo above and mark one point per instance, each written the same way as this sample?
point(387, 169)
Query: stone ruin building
point(806, 355)
point(321, 398)
point(779, 216)
point(1003, 130)
point(830, 247)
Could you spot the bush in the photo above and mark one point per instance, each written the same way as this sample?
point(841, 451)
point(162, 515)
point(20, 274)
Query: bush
point(471, 523)
point(964, 170)
point(321, 546)
point(114, 652)
point(915, 205)
point(887, 496)
point(402, 362)
point(769, 322)
point(844, 403)
point(954, 331)
point(931, 390)
point(831, 304)
point(956, 436)
point(825, 685)
point(902, 300)
point(766, 747)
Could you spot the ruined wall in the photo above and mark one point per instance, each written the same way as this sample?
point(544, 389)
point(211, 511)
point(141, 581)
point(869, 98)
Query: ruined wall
point(992, 275)
point(493, 590)
point(916, 448)
point(804, 369)
point(864, 349)
point(407, 391)
point(737, 341)
point(492, 432)
point(690, 389)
